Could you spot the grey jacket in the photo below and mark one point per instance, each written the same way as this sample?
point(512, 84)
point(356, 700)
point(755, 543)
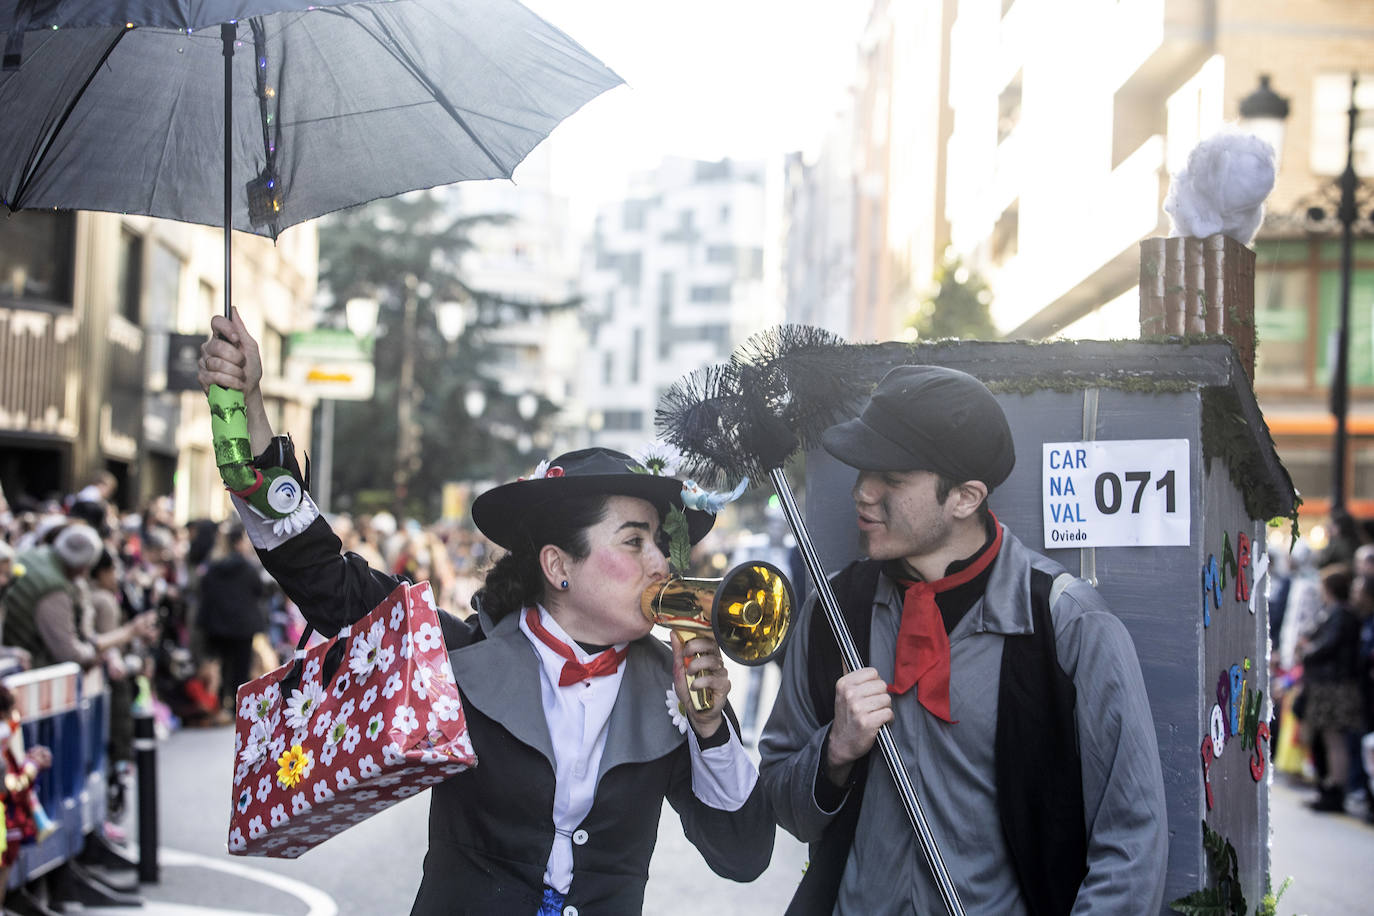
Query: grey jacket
point(952, 766)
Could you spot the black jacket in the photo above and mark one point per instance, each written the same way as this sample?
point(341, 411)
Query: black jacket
point(491, 827)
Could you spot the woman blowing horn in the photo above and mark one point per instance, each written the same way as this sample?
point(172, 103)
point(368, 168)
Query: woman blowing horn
point(562, 686)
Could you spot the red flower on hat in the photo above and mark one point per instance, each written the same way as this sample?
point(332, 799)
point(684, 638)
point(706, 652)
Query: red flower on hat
point(554, 471)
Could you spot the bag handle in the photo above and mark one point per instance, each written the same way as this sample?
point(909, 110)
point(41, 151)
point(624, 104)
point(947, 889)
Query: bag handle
point(333, 660)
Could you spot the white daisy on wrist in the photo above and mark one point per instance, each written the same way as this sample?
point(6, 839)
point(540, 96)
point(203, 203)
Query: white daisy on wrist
point(676, 712)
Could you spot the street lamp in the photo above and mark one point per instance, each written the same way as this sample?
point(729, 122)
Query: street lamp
point(1263, 113)
point(451, 317)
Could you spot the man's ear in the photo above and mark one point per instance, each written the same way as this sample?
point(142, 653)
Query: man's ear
point(967, 497)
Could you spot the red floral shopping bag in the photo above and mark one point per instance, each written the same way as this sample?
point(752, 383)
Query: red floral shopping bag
point(350, 727)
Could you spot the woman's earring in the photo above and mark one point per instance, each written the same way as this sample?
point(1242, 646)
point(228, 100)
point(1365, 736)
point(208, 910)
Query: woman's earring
point(563, 585)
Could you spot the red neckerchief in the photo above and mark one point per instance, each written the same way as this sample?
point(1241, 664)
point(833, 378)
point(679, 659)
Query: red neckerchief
point(573, 670)
point(922, 643)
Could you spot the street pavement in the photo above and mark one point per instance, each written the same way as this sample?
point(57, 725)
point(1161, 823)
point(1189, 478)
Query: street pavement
point(374, 868)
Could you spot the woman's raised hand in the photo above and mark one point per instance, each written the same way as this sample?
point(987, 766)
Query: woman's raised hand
point(230, 357)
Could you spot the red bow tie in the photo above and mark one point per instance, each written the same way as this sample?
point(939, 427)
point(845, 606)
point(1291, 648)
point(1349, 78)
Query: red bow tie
point(923, 644)
point(604, 663)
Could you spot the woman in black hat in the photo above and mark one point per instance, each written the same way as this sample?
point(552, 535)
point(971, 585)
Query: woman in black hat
point(563, 687)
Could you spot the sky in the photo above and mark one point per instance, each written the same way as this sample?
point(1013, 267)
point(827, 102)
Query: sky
point(707, 79)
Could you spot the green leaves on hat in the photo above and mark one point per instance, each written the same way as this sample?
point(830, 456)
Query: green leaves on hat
point(679, 542)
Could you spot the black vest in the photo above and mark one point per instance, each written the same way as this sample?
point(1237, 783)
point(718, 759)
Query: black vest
point(1039, 775)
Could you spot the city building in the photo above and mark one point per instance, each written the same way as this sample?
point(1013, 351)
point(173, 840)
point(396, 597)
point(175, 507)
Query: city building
point(674, 278)
point(1059, 127)
point(101, 316)
point(530, 257)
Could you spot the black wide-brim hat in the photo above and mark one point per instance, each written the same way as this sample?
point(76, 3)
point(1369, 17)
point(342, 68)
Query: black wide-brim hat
point(928, 418)
point(504, 513)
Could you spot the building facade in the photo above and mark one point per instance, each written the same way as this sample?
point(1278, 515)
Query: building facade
point(100, 321)
point(1060, 125)
point(673, 279)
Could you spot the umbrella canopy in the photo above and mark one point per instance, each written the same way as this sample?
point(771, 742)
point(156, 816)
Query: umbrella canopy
point(118, 106)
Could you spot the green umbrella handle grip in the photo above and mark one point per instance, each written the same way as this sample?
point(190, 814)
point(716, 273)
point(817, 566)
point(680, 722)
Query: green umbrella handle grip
point(274, 492)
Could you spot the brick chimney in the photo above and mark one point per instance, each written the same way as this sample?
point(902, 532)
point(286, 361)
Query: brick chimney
point(1191, 286)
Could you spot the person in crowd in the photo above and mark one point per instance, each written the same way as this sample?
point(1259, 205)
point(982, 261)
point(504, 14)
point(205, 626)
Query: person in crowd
point(43, 611)
point(232, 611)
point(1020, 714)
point(1362, 602)
point(17, 797)
point(563, 687)
point(1331, 707)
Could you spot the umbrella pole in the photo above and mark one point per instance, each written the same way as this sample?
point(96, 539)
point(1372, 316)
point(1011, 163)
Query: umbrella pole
point(274, 492)
point(886, 744)
point(228, 32)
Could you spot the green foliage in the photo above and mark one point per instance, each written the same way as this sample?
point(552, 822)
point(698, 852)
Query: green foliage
point(1224, 898)
point(679, 541)
point(1269, 906)
point(409, 248)
point(957, 306)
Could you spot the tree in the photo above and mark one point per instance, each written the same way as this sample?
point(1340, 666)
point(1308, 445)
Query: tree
point(957, 306)
point(406, 253)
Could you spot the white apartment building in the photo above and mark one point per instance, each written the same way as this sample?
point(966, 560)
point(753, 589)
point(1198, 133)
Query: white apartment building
point(530, 258)
point(673, 278)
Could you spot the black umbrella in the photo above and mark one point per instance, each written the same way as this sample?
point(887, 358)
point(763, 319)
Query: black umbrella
point(116, 105)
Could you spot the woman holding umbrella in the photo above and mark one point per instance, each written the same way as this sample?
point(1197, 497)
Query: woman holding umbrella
point(562, 686)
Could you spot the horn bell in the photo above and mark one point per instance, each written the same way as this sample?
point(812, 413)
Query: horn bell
point(749, 612)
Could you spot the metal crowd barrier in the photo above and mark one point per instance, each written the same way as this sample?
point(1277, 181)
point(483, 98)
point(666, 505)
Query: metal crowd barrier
point(70, 714)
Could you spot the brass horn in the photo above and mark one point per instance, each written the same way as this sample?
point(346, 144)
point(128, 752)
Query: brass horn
point(748, 611)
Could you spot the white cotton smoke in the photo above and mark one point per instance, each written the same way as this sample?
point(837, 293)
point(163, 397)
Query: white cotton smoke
point(1223, 187)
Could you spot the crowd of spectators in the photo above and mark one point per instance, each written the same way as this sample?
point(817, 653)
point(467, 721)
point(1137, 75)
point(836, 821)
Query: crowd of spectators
point(1321, 618)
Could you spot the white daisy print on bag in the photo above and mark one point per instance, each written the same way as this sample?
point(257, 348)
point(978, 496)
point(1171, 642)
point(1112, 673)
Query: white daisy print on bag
point(236, 841)
point(419, 681)
point(256, 830)
point(323, 722)
point(295, 852)
point(312, 669)
point(241, 771)
point(345, 710)
point(299, 805)
point(374, 726)
point(369, 697)
point(327, 753)
point(342, 682)
point(405, 720)
point(303, 703)
point(367, 767)
point(336, 732)
point(393, 684)
point(278, 814)
point(264, 787)
point(323, 793)
point(428, 637)
point(448, 708)
point(398, 615)
point(351, 739)
point(386, 657)
point(406, 791)
point(245, 799)
point(407, 646)
point(345, 779)
point(392, 754)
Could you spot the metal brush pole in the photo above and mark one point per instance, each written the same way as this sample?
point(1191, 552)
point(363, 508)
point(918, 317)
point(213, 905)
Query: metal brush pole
point(852, 662)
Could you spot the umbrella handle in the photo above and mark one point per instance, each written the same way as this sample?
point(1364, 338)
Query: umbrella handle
point(852, 662)
point(274, 492)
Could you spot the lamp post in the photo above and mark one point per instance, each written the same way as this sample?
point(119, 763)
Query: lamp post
point(1263, 113)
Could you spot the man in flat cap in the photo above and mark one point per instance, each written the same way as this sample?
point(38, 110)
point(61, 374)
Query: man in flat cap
point(1014, 696)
